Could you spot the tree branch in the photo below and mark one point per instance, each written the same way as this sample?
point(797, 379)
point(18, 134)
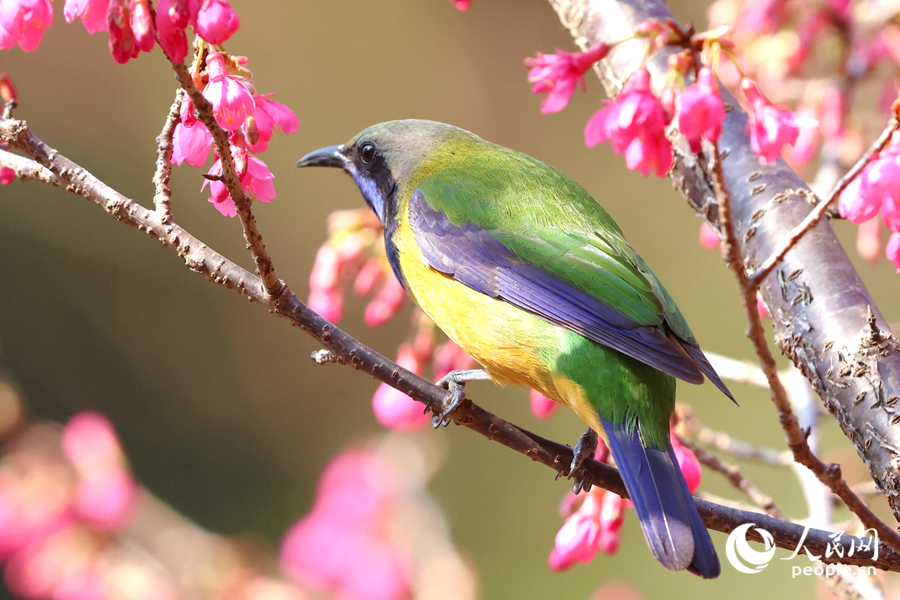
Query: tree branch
point(346, 350)
point(824, 318)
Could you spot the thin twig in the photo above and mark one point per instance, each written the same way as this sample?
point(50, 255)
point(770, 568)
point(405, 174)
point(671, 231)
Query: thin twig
point(163, 196)
point(26, 169)
point(735, 478)
point(813, 218)
point(219, 269)
point(275, 288)
point(725, 443)
point(830, 474)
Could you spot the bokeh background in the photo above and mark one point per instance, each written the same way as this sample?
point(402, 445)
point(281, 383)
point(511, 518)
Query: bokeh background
point(221, 411)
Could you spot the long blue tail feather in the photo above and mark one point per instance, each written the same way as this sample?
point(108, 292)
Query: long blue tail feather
point(670, 521)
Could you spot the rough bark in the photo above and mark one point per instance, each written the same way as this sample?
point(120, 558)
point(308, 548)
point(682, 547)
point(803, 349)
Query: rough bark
point(824, 318)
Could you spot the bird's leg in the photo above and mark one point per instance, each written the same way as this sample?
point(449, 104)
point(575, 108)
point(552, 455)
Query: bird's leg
point(455, 382)
point(585, 448)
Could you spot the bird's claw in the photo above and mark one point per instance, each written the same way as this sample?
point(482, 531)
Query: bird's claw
point(454, 382)
point(586, 447)
point(441, 415)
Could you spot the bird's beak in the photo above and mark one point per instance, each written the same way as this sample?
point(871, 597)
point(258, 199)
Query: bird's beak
point(332, 156)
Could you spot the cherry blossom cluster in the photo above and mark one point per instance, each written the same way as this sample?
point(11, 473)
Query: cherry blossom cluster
point(593, 519)
point(636, 122)
point(354, 251)
point(250, 118)
point(877, 189)
point(357, 542)
point(818, 55)
point(133, 25)
point(60, 498)
point(393, 408)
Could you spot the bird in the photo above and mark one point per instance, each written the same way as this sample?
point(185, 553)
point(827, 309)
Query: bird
point(528, 274)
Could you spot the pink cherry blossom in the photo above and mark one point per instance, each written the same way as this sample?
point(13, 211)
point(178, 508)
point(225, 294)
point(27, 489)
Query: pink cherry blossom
point(142, 25)
point(170, 23)
point(191, 144)
point(771, 127)
point(462, 5)
point(122, 44)
point(106, 499)
point(804, 149)
point(635, 124)
point(341, 546)
point(216, 21)
point(91, 12)
point(387, 302)
point(393, 408)
point(892, 251)
point(269, 117)
point(855, 205)
point(542, 407)
point(370, 277)
point(90, 442)
point(7, 175)
point(255, 178)
point(328, 303)
point(23, 22)
point(559, 74)
point(700, 110)
point(231, 100)
point(578, 538)
point(612, 515)
point(890, 213)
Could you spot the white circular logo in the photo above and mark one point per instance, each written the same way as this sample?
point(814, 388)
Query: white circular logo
point(739, 551)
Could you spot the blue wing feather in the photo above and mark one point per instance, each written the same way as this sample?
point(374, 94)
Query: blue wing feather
point(475, 258)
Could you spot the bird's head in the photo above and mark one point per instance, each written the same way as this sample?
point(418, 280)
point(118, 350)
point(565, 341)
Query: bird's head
point(385, 156)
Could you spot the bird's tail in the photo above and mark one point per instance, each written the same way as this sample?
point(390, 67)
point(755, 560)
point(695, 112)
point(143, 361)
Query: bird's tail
point(673, 527)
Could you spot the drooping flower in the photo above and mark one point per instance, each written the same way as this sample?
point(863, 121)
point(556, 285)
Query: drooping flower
point(7, 175)
point(557, 75)
point(191, 144)
point(771, 127)
point(216, 21)
point(450, 357)
point(122, 44)
point(142, 25)
point(635, 124)
point(855, 205)
point(462, 5)
point(170, 24)
point(91, 12)
point(23, 22)
point(269, 117)
point(395, 409)
point(255, 178)
point(231, 100)
point(700, 110)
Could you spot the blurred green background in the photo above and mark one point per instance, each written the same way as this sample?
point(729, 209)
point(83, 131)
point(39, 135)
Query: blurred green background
point(220, 409)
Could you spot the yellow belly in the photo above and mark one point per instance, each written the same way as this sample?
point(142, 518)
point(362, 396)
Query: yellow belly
point(505, 340)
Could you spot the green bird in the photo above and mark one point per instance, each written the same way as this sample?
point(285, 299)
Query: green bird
point(517, 264)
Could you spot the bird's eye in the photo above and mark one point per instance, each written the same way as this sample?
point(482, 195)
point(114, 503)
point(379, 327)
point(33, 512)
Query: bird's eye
point(367, 152)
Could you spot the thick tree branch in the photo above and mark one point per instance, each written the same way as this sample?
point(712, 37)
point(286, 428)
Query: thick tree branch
point(346, 350)
point(824, 318)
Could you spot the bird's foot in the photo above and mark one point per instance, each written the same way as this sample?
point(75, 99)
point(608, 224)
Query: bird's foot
point(585, 448)
point(455, 383)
